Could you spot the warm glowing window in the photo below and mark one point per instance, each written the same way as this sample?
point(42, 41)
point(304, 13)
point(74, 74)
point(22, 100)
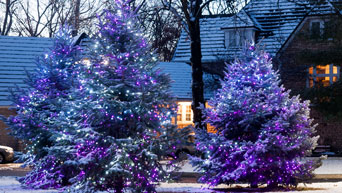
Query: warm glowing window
point(323, 75)
point(179, 113)
point(184, 113)
point(188, 114)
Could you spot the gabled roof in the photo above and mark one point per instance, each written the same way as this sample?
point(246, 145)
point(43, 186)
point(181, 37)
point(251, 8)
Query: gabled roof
point(276, 19)
point(242, 19)
point(16, 55)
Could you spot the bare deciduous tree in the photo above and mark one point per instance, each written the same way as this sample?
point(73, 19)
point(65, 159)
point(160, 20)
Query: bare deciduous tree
point(7, 20)
point(30, 18)
point(160, 26)
point(190, 12)
point(43, 18)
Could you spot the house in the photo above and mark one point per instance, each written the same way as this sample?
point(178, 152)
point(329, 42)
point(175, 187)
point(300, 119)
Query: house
point(294, 33)
point(17, 57)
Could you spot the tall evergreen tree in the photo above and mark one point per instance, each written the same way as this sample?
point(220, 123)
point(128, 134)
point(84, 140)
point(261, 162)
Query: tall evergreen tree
point(262, 133)
point(119, 123)
point(38, 108)
point(116, 124)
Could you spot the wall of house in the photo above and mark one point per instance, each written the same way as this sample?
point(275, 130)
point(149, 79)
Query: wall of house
point(294, 62)
point(5, 138)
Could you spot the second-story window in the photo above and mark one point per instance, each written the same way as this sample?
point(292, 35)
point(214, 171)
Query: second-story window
point(236, 37)
point(316, 28)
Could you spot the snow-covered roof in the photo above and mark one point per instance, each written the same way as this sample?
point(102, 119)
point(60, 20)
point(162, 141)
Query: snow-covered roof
point(275, 20)
point(180, 74)
point(241, 19)
point(16, 55)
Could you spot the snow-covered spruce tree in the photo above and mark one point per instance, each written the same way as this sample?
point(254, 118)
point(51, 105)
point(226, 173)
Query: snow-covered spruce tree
point(118, 122)
point(263, 133)
point(38, 108)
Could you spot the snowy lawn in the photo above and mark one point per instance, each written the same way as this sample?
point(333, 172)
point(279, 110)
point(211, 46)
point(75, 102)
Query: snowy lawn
point(11, 185)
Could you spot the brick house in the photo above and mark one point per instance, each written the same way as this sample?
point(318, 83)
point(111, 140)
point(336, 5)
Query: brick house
point(18, 56)
point(288, 30)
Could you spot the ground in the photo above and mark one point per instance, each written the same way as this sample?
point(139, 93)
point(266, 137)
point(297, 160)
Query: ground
point(328, 180)
point(9, 184)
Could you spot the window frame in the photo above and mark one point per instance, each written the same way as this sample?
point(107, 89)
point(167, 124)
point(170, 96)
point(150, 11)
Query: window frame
point(314, 74)
point(321, 27)
point(183, 105)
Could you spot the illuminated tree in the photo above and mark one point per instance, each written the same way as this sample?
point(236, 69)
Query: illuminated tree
point(263, 133)
point(38, 109)
point(117, 125)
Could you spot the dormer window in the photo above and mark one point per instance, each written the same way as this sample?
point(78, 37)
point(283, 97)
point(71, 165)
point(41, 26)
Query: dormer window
point(316, 28)
point(236, 37)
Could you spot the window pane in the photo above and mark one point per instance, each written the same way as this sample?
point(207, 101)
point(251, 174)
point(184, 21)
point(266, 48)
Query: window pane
point(311, 70)
point(334, 78)
point(315, 29)
point(179, 117)
point(335, 69)
point(188, 117)
point(179, 113)
point(320, 69)
point(311, 82)
point(324, 81)
point(188, 113)
point(232, 38)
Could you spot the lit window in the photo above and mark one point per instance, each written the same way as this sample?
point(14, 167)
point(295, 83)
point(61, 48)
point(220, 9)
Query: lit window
point(184, 113)
point(324, 75)
point(188, 113)
point(179, 113)
point(238, 36)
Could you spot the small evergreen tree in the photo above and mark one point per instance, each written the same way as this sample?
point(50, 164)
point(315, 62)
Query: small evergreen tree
point(262, 133)
point(38, 108)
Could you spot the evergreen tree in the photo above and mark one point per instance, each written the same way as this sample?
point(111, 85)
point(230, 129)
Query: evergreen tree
point(38, 108)
point(262, 133)
point(117, 125)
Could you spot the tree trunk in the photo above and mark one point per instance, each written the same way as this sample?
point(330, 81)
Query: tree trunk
point(119, 184)
point(197, 73)
point(77, 4)
point(7, 12)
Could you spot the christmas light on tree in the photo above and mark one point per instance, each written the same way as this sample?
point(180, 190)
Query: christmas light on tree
point(113, 128)
point(38, 108)
point(262, 133)
point(118, 124)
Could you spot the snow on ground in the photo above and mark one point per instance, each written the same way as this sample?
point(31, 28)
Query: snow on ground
point(11, 185)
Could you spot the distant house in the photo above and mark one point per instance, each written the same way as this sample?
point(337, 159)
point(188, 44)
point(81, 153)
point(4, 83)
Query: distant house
point(289, 31)
point(18, 56)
